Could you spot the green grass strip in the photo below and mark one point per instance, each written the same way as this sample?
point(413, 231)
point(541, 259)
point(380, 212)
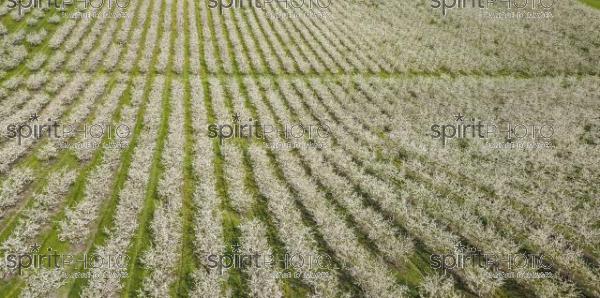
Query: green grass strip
point(188, 260)
point(237, 280)
point(106, 219)
point(592, 3)
point(143, 238)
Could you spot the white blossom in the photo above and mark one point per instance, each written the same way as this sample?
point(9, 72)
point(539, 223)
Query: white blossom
point(36, 38)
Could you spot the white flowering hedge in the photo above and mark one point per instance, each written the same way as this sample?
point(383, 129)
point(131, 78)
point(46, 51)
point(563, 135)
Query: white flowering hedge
point(378, 195)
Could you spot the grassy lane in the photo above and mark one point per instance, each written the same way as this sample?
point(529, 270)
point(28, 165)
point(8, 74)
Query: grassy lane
point(10, 221)
point(345, 278)
point(406, 273)
point(65, 159)
point(188, 260)
point(592, 3)
point(50, 238)
point(237, 279)
point(41, 170)
point(291, 287)
point(506, 291)
point(74, 288)
point(259, 209)
point(418, 264)
point(413, 277)
point(143, 237)
point(105, 221)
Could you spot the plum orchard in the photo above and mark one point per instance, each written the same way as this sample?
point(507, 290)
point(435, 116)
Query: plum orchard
point(394, 143)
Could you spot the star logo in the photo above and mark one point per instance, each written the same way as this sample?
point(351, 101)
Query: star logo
point(236, 247)
point(459, 246)
point(459, 117)
point(236, 118)
point(33, 117)
point(35, 247)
